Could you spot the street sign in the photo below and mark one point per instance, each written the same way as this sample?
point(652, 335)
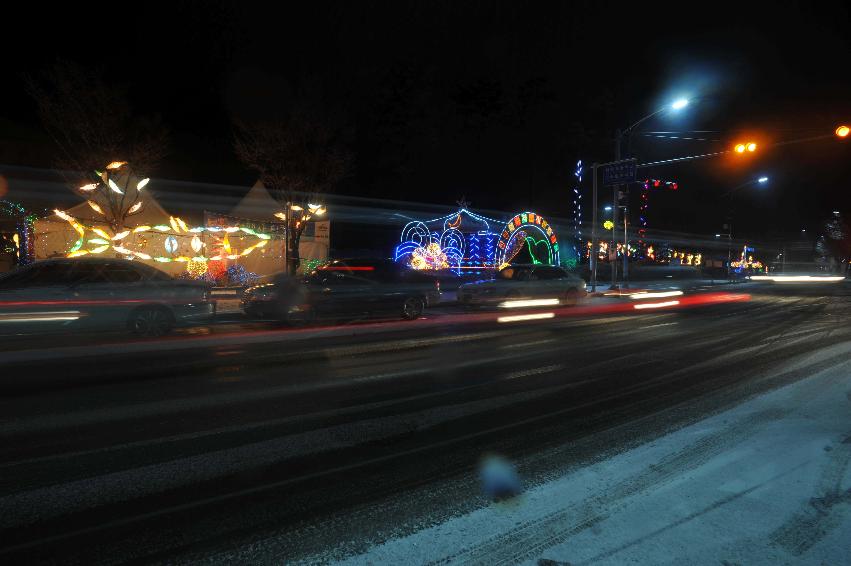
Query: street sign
point(619, 172)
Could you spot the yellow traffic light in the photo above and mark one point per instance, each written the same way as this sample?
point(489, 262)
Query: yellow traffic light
point(843, 131)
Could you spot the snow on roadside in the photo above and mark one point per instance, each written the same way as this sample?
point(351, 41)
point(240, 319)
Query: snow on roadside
point(767, 482)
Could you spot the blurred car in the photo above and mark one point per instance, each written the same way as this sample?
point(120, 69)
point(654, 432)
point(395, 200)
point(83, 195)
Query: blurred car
point(344, 289)
point(518, 282)
point(99, 293)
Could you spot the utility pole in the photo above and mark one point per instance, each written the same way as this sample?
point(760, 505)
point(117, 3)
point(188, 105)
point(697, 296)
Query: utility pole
point(613, 249)
point(594, 228)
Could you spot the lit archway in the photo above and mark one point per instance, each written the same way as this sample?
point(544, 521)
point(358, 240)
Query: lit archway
point(531, 232)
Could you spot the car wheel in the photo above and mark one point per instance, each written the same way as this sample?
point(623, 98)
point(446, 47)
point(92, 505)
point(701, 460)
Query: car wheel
point(412, 308)
point(299, 318)
point(150, 321)
point(571, 298)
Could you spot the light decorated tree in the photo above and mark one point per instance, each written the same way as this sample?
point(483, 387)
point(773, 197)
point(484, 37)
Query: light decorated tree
point(104, 149)
point(115, 194)
point(299, 158)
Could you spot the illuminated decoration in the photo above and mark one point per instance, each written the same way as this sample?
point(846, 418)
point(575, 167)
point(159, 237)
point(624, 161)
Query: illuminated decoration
point(115, 188)
point(171, 244)
point(94, 206)
point(116, 165)
point(135, 208)
point(608, 225)
point(22, 233)
point(746, 261)
point(196, 267)
point(429, 257)
point(463, 237)
point(645, 204)
point(88, 188)
point(686, 258)
point(141, 184)
point(524, 227)
point(104, 241)
point(577, 207)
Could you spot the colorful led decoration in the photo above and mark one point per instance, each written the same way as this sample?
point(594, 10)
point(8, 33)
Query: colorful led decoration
point(178, 227)
point(526, 226)
point(463, 237)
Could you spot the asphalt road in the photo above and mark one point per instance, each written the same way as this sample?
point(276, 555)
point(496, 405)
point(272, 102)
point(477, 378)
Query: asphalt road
point(259, 445)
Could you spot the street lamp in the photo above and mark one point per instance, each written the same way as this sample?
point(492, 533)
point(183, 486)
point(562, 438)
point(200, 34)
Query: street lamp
point(680, 103)
point(676, 105)
point(759, 180)
point(842, 131)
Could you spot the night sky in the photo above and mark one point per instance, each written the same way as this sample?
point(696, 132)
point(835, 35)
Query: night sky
point(494, 101)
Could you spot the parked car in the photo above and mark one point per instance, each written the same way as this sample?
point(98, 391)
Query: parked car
point(517, 282)
point(99, 293)
point(344, 289)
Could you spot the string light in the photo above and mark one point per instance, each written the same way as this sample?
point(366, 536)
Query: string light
point(135, 208)
point(171, 243)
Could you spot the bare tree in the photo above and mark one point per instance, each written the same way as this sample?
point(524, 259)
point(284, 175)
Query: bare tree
point(299, 158)
point(93, 126)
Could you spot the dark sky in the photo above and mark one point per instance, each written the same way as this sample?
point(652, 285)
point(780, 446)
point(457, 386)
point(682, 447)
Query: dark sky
point(492, 100)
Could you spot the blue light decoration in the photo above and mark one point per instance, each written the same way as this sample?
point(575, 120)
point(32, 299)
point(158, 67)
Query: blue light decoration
point(577, 210)
point(530, 231)
point(463, 237)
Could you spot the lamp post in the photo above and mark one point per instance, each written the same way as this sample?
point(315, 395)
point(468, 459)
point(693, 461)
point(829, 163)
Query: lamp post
point(678, 104)
point(761, 180)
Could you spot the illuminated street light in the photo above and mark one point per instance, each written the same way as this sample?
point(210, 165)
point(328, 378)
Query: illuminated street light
point(743, 147)
point(740, 148)
point(680, 103)
point(762, 180)
point(607, 208)
point(843, 131)
point(751, 146)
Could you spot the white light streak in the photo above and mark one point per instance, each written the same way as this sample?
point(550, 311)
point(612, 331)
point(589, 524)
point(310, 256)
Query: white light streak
point(798, 278)
point(656, 305)
point(521, 317)
point(528, 303)
point(655, 295)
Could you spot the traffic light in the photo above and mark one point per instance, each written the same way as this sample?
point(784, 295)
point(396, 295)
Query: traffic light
point(749, 147)
point(842, 131)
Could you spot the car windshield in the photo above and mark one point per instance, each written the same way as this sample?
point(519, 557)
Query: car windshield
point(425, 283)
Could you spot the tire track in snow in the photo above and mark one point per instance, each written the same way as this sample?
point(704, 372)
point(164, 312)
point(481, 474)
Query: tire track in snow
point(820, 515)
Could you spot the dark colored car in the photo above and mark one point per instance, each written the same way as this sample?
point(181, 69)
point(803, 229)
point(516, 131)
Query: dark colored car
point(344, 289)
point(99, 293)
point(524, 282)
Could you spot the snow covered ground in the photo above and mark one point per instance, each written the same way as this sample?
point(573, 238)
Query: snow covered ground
point(767, 482)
